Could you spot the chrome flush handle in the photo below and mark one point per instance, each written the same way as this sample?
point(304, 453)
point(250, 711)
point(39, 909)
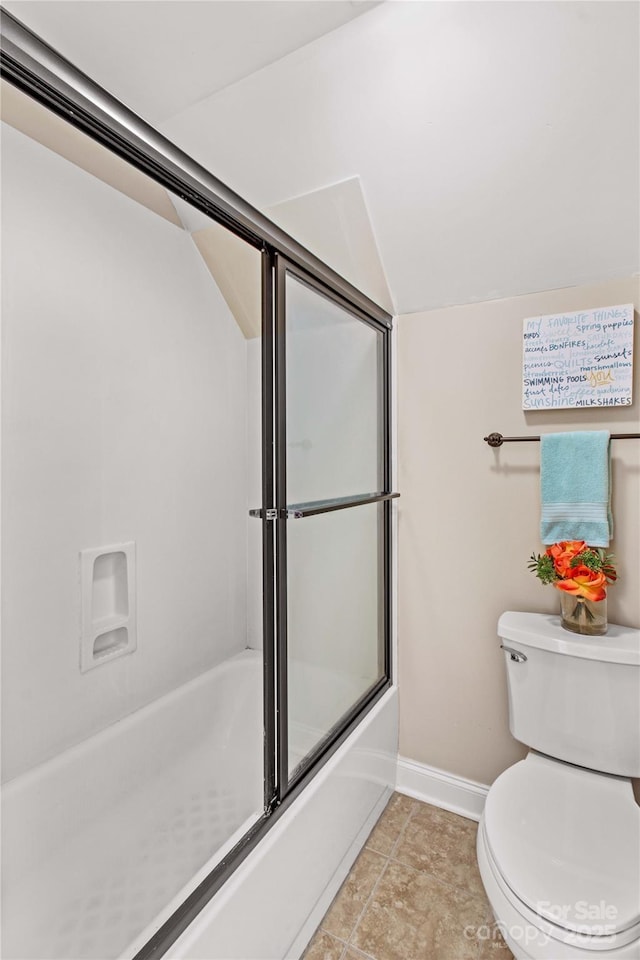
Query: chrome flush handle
point(515, 655)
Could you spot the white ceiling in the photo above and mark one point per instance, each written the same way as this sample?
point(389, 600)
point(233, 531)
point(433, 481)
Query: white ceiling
point(497, 144)
point(160, 56)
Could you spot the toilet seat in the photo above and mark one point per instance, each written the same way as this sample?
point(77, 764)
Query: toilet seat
point(532, 938)
point(564, 844)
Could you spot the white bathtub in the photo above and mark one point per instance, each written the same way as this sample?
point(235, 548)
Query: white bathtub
point(272, 904)
point(99, 840)
point(103, 842)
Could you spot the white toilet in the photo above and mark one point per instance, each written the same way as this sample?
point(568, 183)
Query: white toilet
point(559, 839)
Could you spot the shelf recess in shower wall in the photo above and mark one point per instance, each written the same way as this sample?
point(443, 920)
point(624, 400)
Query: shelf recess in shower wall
point(107, 583)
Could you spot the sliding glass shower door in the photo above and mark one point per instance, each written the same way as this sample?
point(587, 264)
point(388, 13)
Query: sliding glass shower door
point(332, 489)
point(172, 677)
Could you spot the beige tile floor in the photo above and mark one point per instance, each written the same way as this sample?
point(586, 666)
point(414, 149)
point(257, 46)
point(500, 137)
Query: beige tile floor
point(414, 893)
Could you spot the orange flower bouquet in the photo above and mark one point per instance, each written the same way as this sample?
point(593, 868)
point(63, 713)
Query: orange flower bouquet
point(581, 573)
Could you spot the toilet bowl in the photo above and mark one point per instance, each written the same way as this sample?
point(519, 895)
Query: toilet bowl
point(559, 855)
point(559, 839)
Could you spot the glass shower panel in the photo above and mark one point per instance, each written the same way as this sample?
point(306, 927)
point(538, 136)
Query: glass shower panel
point(132, 733)
point(335, 620)
point(333, 399)
point(335, 549)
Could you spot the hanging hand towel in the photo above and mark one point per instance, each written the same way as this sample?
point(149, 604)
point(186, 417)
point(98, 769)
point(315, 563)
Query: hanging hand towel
point(575, 471)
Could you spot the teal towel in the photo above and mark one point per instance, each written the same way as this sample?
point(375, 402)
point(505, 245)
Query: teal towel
point(575, 473)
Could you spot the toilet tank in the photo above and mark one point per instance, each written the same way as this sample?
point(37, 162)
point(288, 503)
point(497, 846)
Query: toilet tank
point(573, 697)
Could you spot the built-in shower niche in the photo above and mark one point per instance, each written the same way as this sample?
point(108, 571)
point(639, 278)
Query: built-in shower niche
point(107, 576)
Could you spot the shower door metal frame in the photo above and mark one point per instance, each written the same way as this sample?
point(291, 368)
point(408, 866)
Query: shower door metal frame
point(285, 512)
point(34, 67)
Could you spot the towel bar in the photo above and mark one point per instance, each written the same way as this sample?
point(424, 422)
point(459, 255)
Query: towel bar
point(496, 439)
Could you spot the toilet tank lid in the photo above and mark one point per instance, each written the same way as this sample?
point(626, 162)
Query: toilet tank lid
point(543, 631)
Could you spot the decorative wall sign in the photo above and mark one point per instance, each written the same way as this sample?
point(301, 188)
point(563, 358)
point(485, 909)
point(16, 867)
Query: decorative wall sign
point(580, 359)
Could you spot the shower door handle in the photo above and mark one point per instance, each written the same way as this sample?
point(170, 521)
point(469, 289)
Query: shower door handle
point(298, 511)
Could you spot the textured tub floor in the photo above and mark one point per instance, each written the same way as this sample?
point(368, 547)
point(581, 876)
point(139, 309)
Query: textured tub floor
point(414, 893)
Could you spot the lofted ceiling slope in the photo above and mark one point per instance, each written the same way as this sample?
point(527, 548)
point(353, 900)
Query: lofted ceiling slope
point(161, 56)
point(496, 144)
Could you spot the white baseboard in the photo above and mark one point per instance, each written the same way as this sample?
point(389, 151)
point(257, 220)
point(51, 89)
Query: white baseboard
point(440, 788)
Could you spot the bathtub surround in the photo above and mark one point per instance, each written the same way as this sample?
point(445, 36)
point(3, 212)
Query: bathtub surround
point(453, 704)
point(122, 339)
